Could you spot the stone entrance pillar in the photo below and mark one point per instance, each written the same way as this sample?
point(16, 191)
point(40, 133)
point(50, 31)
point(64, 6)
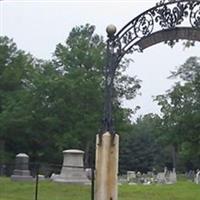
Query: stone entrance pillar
point(72, 170)
point(21, 172)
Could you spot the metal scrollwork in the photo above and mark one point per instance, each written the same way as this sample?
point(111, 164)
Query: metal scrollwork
point(128, 37)
point(144, 25)
point(169, 18)
point(167, 14)
point(195, 16)
point(166, 1)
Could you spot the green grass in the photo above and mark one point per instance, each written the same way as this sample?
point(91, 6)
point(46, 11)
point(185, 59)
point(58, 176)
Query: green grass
point(180, 191)
point(47, 190)
point(183, 190)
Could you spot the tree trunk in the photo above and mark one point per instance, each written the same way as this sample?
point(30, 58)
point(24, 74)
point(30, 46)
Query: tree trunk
point(174, 156)
point(87, 155)
point(2, 151)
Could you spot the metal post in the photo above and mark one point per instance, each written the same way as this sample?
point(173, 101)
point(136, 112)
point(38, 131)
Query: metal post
point(92, 183)
point(36, 182)
point(110, 69)
point(92, 171)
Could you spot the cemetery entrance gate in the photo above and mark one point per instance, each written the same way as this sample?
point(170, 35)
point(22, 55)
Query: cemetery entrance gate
point(168, 21)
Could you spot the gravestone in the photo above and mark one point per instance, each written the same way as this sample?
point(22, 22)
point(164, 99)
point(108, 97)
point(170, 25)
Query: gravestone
point(72, 169)
point(89, 173)
point(161, 178)
point(21, 172)
point(172, 177)
point(197, 177)
point(191, 175)
point(167, 177)
point(131, 177)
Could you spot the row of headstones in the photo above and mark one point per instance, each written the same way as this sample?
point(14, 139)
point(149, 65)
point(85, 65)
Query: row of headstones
point(72, 169)
point(166, 177)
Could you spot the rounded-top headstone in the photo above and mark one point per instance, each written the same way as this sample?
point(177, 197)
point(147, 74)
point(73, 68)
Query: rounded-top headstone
point(22, 161)
point(21, 171)
point(22, 155)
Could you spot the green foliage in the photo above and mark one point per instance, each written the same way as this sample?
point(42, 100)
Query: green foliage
point(49, 106)
point(140, 149)
point(180, 107)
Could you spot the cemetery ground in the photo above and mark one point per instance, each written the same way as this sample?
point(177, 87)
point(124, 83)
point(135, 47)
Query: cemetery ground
point(182, 190)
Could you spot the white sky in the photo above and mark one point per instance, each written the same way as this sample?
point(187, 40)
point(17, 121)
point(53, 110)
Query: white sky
point(37, 26)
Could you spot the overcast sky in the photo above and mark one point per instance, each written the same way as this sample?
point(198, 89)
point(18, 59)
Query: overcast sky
point(37, 26)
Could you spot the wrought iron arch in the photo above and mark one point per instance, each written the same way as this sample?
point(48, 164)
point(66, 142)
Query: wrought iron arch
point(167, 21)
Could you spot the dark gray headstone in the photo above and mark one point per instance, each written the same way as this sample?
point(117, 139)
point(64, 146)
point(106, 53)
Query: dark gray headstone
point(21, 172)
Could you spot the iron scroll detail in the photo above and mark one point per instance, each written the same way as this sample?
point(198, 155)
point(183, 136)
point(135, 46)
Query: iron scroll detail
point(164, 16)
point(195, 15)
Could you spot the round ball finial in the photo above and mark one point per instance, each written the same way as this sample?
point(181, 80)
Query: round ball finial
point(111, 30)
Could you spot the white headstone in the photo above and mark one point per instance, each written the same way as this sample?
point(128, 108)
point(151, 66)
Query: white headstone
point(172, 177)
point(197, 177)
point(131, 176)
point(72, 169)
point(167, 177)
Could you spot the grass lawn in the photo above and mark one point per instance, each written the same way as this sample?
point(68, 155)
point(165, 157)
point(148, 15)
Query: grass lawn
point(183, 190)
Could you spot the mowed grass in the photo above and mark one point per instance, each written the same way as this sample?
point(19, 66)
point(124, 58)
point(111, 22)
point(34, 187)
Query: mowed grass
point(48, 190)
point(183, 190)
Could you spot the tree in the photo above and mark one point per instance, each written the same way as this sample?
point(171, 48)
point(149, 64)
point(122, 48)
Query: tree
point(15, 71)
point(180, 107)
point(140, 149)
point(81, 61)
point(57, 104)
point(26, 83)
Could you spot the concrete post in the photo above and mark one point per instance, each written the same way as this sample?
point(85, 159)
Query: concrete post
point(107, 154)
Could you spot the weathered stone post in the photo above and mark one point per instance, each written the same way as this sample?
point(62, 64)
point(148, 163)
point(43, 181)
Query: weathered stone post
point(107, 167)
